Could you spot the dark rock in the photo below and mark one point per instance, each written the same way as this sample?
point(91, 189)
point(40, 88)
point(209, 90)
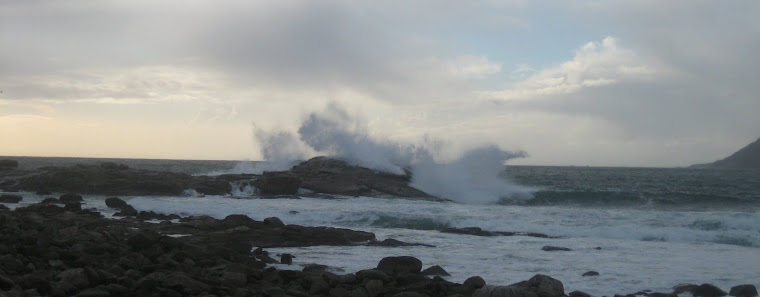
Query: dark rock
point(542, 286)
point(235, 220)
point(435, 270)
point(93, 292)
point(390, 242)
point(234, 279)
point(286, 259)
point(3, 207)
point(51, 200)
point(681, 288)
point(76, 277)
point(398, 265)
point(368, 274)
point(659, 294)
point(9, 198)
point(591, 273)
point(127, 211)
point(475, 282)
point(743, 291)
point(332, 176)
point(6, 283)
point(277, 183)
point(70, 197)
point(476, 231)
point(72, 206)
point(274, 221)
point(578, 294)
point(314, 267)
point(708, 290)
point(143, 239)
point(116, 203)
point(549, 248)
point(502, 291)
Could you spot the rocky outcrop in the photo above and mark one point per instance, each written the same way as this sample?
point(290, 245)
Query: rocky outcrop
point(743, 291)
point(332, 176)
point(10, 198)
point(277, 183)
point(480, 232)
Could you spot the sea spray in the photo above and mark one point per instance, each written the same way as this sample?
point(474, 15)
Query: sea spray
point(474, 177)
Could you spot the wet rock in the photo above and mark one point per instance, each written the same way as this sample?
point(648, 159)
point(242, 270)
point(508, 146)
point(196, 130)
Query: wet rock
point(398, 265)
point(235, 220)
point(542, 286)
point(578, 294)
point(390, 242)
point(274, 221)
point(116, 203)
point(475, 282)
point(9, 198)
point(369, 274)
point(476, 231)
point(549, 248)
point(286, 259)
point(435, 270)
point(743, 291)
point(6, 283)
point(51, 200)
point(591, 273)
point(76, 277)
point(681, 288)
point(277, 183)
point(659, 294)
point(70, 197)
point(502, 291)
point(234, 279)
point(708, 290)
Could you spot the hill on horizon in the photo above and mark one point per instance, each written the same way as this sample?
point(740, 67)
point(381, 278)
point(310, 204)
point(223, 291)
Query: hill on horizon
point(747, 157)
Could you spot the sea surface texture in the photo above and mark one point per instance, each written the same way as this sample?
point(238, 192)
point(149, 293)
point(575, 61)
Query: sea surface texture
point(639, 228)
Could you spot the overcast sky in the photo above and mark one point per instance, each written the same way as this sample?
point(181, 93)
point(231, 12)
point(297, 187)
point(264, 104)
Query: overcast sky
point(601, 83)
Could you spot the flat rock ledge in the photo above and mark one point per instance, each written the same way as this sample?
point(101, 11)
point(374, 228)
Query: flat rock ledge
point(319, 175)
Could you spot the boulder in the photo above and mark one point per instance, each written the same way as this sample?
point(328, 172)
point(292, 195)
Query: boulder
point(398, 265)
point(277, 183)
point(542, 286)
point(578, 294)
point(9, 198)
point(708, 290)
point(682, 288)
point(286, 259)
point(116, 203)
point(550, 248)
point(435, 270)
point(76, 277)
point(502, 291)
point(743, 291)
point(591, 273)
point(474, 282)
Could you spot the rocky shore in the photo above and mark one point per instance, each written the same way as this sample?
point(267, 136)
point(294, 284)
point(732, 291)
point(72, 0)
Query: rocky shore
point(56, 248)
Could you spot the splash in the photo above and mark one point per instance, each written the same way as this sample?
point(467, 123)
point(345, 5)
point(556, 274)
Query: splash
point(473, 177)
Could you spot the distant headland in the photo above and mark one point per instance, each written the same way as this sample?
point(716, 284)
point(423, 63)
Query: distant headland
point(747, 157)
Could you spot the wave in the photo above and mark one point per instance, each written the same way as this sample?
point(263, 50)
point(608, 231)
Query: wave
point(592, 197)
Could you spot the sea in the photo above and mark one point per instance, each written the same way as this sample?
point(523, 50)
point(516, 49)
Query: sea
point(639, 228)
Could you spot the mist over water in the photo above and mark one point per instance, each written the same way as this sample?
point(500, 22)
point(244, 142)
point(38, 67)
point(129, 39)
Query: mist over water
point(473, 177)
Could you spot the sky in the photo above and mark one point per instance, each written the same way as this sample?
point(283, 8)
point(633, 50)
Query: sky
point(586, 83)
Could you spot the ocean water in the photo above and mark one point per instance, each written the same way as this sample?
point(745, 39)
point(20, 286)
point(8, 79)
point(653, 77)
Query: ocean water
point(640, 228)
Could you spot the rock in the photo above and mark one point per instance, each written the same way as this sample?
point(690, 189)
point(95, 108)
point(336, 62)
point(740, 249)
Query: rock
point(70, 197)
point(591, 273)
point(475, 282)
point(92, 292)
point(116, 203)
point(549, 248)
point(277, 183)
point(332, 176)
point(234, 279)
point(127, 211)
point(708, 290)
point(274, 221)
point(435, 270)
point(578, 294)
point(398, 265)
point(681, 288)
point(374, 287)
point(6, 283)
point(502, 291)
point(235, 220)
point(8, 164)
point(542, 286)
point(743, 291)
point(410, 294)
point(76, 277)
point(51, 200)
point(390, 242)
point(476, 231)
point(368, 274)
point(286, 259)
point(9, 198)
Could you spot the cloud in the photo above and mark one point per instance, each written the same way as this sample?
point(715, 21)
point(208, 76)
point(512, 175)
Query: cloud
point(595, 64)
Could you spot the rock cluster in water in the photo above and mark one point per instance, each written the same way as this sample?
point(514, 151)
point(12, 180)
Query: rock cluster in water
point(319, 175)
